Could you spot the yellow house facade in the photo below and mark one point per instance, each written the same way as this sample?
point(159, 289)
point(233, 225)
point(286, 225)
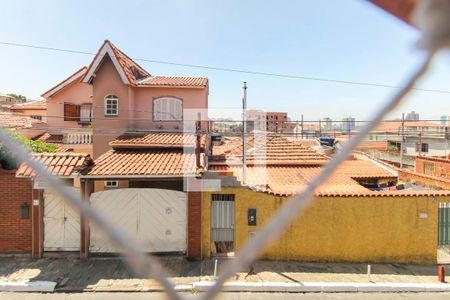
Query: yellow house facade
point(376, 229)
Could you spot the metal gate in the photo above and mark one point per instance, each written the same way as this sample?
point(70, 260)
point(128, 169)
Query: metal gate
point(156, 218)
point(61, 223)
point(444, 224)
point(222, 218)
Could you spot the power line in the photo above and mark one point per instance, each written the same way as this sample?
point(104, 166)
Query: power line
point(223, 69)
point(149, 119)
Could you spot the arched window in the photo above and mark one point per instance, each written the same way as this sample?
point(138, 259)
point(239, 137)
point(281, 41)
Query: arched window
point(111, 105)
point(167, 109)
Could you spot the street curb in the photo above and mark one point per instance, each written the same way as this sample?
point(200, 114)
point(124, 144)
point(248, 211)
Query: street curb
point(326, 287)
point(27, 286)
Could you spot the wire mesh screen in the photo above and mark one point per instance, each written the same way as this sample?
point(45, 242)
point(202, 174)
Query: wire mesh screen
point(435, 36)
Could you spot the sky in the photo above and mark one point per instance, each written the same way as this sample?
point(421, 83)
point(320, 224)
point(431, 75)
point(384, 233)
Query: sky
point(348, 40)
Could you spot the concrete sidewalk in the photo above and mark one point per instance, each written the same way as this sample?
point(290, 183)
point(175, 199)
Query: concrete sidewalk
point(112, 274)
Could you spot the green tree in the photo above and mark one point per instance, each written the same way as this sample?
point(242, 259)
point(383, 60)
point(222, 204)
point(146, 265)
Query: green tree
point(18, 96)
point(8, 159)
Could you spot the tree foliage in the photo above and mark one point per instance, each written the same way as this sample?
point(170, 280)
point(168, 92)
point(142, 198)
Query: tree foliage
point(8, 159)
point(18, 96)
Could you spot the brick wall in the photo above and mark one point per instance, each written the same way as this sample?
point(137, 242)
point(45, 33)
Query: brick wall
point(15, 232)
point(441, 165)
point(194, 225)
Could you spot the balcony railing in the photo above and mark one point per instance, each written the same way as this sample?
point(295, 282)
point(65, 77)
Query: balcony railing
point(84, 137)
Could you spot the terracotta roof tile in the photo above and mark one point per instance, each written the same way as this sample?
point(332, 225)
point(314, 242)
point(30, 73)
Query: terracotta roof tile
point(369, 145)
point(140, 162)
point(139, 77)
point(157, 81)
point(10, 120)
point(395, 126)
point(155, 140)
point(32, 105)
point(364, 169)
point(132, 70)
point(288, 180)
point(269, 150)
point(59, 164)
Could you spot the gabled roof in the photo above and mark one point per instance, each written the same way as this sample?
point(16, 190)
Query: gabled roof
point(133, 74)
point(59, 164)
point(72, 78)
point(129, 71)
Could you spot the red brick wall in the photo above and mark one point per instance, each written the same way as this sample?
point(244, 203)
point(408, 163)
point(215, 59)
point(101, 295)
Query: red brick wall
point(15, 233)
point(441, 165)
point(194, 248)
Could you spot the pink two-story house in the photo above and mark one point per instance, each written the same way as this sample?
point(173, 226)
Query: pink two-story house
point(132, 123)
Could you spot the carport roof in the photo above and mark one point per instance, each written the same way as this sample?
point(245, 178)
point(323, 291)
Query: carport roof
point(58, 164)
point(145, 163)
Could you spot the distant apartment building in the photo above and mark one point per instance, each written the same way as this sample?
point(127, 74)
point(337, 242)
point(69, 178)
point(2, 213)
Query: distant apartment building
point(412, 116)
point(445, 120)
point(270, 121)
point(348, 124)
point(326, 124)
point(419, 138)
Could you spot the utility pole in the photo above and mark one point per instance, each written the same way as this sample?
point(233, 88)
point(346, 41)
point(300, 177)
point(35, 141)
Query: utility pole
point(296, 130)
point(244, 135)
point(419, 146)
point(302, 127)
point(403, 140)
point(320, 128)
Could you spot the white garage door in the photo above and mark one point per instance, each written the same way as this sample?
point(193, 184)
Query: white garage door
point(61, 224)
point(155, 217)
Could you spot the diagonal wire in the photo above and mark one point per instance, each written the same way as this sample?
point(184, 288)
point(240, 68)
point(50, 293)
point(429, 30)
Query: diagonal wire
point(141, 264)
point(301, 201)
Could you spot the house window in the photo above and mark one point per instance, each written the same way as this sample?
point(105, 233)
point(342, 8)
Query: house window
point(424, 147)
point(86, 113)
point(167, 109)
point(111, 105)
point(71, 112)
point(111, 183)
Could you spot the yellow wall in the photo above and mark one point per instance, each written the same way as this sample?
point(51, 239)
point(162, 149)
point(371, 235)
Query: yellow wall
point(355, 229)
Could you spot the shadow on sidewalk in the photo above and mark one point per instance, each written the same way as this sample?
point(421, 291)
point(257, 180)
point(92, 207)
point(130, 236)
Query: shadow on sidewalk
point(78, 275)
